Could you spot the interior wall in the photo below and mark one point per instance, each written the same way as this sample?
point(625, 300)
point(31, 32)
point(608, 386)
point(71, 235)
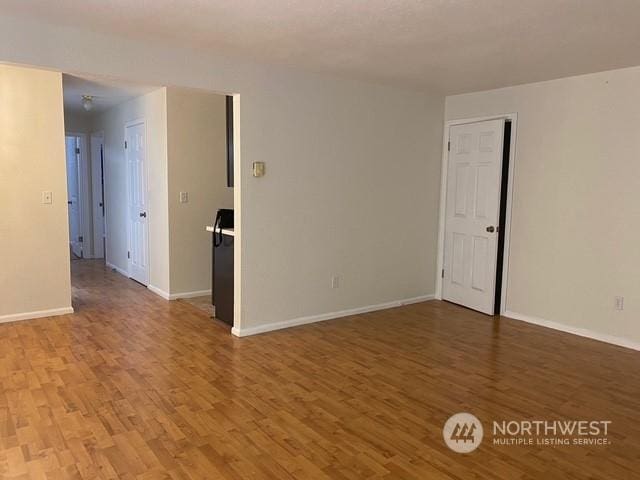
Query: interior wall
point(353, 171)
point(574, 233)
point(34, 237)
point(196, 133)
point(351, 190)
point(151, 107)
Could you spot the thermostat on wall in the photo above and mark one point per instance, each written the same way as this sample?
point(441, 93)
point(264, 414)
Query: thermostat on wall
point(258, 169)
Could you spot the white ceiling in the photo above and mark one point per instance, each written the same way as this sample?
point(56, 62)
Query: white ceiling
point(449, 45)
point(106, 93)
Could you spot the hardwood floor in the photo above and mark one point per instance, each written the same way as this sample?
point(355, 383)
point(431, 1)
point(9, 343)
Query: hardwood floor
point(132, 386)
point(202, 303)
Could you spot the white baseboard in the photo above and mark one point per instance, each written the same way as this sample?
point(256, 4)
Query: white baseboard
point(197, 293)
point(159, 291)
point(245, 332)
point(583, 332)
point(117, 269)
point(15, 317)
point(176, 296)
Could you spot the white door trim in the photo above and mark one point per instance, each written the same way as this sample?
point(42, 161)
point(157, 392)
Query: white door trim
point(513, 117)
point(133, 123)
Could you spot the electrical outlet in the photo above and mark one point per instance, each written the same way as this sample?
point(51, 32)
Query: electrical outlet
point(335, 281)
point(184, 197)
point(619, 303)
point(47, 197)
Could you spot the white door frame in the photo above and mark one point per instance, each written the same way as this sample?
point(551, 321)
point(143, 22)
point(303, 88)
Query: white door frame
point(132, 123)
point(513, 117)
point(85, 215)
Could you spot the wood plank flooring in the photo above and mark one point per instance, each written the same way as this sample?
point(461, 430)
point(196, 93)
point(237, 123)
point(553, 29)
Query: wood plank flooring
point(134, 387)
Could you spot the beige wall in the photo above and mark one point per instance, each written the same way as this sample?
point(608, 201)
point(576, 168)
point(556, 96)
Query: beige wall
point(351, 189)
point(576, 208)
point(196, 133)
point(353, 170)
point(34, 238)
point(151, 107)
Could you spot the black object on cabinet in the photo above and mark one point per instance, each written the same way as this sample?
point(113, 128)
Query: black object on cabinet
point(224, 219)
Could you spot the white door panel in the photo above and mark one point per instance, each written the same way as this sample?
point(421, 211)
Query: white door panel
point(137, 203)
point(472, 208)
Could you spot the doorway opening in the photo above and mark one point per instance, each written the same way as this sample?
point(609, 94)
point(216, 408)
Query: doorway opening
point(502, 216)
point(97, 189)
point(77, 191)
point(157, 165)
point(475, 212)
point(92, 109)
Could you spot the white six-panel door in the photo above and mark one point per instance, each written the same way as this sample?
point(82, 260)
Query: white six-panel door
point(472, 214)
point(137, 203)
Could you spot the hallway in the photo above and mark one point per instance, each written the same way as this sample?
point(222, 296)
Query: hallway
point(132, 386)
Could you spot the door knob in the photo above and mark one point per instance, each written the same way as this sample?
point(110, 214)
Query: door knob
point(491, 229)
point(143, 215)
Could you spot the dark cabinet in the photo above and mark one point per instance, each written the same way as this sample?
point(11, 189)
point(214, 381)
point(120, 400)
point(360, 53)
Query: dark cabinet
point(222, 282)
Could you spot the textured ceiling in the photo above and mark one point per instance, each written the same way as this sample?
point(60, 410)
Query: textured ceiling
point(449, 45)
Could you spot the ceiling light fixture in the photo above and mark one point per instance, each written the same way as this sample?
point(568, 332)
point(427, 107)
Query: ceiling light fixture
point(87, 102)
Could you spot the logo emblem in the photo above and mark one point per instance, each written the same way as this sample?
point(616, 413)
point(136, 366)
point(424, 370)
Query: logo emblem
point(462, 432)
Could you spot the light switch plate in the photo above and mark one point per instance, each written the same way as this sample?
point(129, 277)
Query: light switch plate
point(184, 197)
point(47, 197)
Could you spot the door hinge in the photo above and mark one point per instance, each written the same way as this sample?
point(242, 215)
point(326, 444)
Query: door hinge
point(442, 274)
point(128, 254)
point(449, 146)
point(125, 144)
point(77, 151)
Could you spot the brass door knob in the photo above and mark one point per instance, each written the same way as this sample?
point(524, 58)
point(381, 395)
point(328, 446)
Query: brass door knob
point(491, 229)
